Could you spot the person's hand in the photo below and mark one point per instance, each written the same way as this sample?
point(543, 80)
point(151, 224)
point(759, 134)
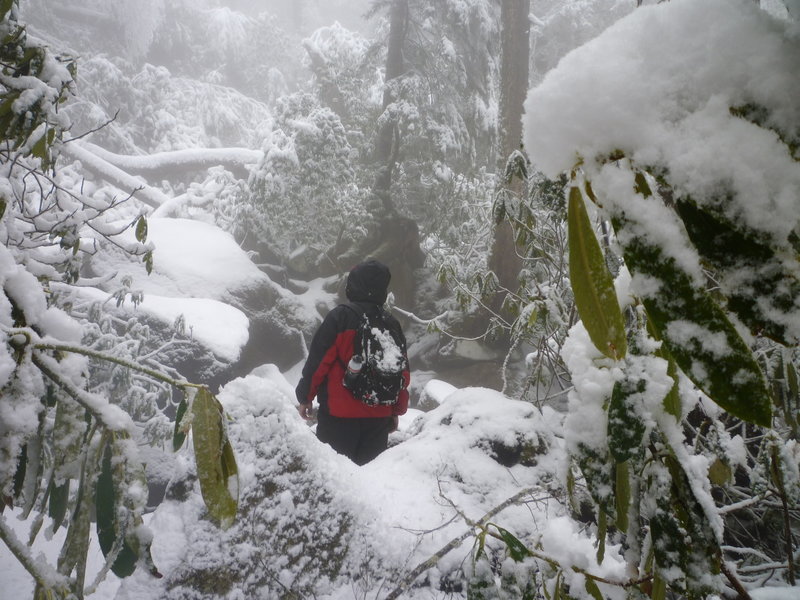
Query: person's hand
point(306, 411)
point(395, 423)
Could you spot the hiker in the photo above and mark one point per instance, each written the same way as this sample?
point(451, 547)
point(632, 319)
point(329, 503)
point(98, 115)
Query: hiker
point(357, 428)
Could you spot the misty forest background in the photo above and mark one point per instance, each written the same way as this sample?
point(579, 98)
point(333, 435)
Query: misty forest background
point(138, 137)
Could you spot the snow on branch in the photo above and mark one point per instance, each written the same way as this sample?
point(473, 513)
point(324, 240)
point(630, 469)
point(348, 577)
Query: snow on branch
point(149, 195)
point(236, 160)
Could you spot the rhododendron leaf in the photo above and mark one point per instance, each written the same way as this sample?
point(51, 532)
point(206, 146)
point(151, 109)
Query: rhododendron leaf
point(595, 297)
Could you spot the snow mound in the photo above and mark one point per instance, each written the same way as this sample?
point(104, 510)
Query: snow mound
point(312, 523)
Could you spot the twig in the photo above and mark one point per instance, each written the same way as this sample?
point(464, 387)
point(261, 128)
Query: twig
point(452, 544)
point(37, 344)
point(734, 581)
point(777, 477)
point(91, 131)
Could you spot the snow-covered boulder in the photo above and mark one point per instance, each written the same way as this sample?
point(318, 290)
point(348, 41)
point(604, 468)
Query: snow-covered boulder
point(313, 524)
point(229, 306)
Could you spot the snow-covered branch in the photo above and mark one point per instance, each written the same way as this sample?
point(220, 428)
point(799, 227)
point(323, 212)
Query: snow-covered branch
point(164, 164)
point(42, 573)
point(147, 194)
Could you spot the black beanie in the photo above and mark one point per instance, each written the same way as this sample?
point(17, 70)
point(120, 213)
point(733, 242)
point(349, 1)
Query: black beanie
point(368, 282)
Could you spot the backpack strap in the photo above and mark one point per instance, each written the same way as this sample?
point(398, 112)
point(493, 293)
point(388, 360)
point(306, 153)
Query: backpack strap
point(358, 341)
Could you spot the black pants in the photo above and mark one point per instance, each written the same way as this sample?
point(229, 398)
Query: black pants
point(360, 440)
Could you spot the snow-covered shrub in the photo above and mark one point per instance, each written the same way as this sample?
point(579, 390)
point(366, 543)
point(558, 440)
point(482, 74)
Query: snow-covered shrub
point(686, 140)
point(539, 311)
point(346, 75)
point(305, 190)
point(154, 111)
point(66, 451)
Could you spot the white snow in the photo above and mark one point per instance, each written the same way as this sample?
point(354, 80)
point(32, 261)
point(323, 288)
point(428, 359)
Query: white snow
point(437, 391)
point(191, 259)
point(659, 85)
point(775, 593)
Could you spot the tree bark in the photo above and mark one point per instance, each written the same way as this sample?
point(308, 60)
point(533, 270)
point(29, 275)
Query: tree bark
point(515, 49)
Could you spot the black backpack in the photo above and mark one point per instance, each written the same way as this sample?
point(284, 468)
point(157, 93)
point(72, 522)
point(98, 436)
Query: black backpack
point(380, 344)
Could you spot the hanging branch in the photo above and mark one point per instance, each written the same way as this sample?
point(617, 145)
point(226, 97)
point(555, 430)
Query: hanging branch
point(112, 417)
point(35, 343)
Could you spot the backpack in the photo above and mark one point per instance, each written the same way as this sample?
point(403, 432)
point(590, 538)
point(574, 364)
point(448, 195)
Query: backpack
point(381, 346)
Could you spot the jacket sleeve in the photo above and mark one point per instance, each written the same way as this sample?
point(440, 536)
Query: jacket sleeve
point(321, 356)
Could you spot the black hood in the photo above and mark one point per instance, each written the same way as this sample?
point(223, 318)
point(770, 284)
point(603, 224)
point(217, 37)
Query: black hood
point(368, 282)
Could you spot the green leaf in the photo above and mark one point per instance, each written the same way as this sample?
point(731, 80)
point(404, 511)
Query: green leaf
point(672, 401)
point(669, 548)
point(698, 548)
point(179, 434)
point(625, 426)
point(719, 473)
point(592, 284)
point(641, 186)
point(687, 319)
point(598, 471)
point(19, 474)
point(2, 208)
point(571, 490)
point(557, 590)
point(764, 283)
point(516, 549)
point(592, 589)
point(622, 495)
point(107, 510)
point(791, 379)
point(216, 466)
point(546, 591)
point(659, 590)
point(141, 229)
point(57, 508)
point(39, 149)
point(5, 8)
point(148, 261)
point(76, 544)
point(775, 470)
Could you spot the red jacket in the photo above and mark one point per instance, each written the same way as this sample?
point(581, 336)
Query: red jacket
point(331, 349)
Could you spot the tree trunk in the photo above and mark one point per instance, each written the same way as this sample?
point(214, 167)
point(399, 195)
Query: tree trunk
point(394, 239)
point(387, 141)
point(515, 48)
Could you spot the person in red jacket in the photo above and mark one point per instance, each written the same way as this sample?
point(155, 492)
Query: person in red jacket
point(351, 427)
